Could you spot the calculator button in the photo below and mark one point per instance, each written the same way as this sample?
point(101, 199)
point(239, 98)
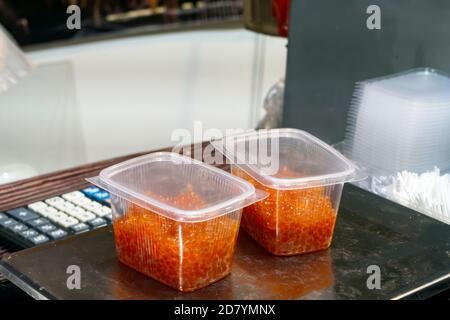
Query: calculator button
point(57, 234)
point(90, 191)
point(38, 222)
point(7, 222)
point(68, 222)
point(3, 216)
point(37, 205)
point(58, 216)
point(106, 209)
point(93, 206)
point(84, 200)
point(88, 206)
point(75, 211)
point(54, 200)
point(78, 213)
point(29, 233)
point(53, 216)
point(40, 239)
point(78, 228)
point(103, 211)
point(59, 205)
point(78, 210)
point(17, 227)
point(22, 214)
point(108, 217)
point(45, 228)
point(47, 211)
point(100, 212)
point(101, 196)
point(86, 216)
point(64, 206)
point(72, 195)
point(97, 222)
point(68, 205)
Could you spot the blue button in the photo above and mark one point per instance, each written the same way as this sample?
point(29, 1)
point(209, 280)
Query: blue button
point(90, 191)
point(101, 196)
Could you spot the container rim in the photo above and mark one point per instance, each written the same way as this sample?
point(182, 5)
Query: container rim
point(347, 175)
point(248, 196)
point(420, 70)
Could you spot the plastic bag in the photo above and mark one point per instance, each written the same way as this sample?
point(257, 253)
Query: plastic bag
point(273, 104)
point(13, 63)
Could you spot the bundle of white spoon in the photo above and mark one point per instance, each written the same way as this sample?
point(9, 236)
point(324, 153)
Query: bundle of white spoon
point(428, 192)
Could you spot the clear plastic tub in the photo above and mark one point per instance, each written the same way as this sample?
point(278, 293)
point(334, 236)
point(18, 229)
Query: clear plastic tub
point(304, 180)
point(176, 219)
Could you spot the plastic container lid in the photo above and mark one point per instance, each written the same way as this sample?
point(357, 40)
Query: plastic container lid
point(400, 122)
point(154, 180)
point(418, 86)
point(287, 159)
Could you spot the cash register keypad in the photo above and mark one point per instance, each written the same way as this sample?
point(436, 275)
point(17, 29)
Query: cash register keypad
point(57, 217)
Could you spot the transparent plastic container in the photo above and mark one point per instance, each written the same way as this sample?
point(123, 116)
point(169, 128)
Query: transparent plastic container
point(304, 179)
point(13, 62)
point(176, 219)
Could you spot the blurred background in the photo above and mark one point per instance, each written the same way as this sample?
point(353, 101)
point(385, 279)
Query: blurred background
point(134, 72)
point(40, 21)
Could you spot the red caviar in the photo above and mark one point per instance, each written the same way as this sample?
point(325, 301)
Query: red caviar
point(289, 222)
point(183, 255)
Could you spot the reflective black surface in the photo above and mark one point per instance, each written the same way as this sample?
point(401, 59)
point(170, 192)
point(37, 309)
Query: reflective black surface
point(412, 251)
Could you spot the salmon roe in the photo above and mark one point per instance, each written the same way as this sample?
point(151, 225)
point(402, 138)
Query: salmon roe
point(183, 255)
point(289, 222)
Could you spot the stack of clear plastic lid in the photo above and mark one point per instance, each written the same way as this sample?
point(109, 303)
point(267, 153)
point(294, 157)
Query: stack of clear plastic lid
point(401, 122)
point(176, 219)
point(398, 129)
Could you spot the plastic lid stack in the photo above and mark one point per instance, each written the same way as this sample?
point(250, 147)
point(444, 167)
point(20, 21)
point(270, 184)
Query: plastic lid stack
point(401, 122)
point(399, 130)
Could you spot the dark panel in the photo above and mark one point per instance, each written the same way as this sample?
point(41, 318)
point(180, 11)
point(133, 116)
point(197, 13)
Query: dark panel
point(330, 48)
